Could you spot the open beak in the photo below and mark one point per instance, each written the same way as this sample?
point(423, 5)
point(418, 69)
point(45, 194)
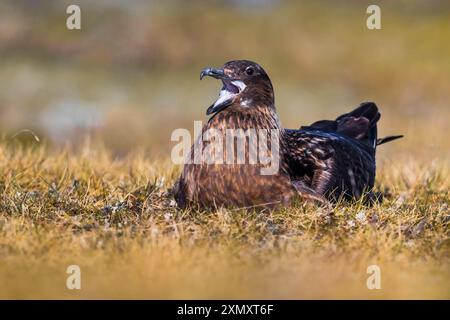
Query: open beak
point(230, 90)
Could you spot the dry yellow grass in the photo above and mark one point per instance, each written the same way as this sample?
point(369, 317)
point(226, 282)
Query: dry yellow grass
point(138, 69)
point(114, 218)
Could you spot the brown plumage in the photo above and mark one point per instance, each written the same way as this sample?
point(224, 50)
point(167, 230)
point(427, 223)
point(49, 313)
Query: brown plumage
point(323, 161)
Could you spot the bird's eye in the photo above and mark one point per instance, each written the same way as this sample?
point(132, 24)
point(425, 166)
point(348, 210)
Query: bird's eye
point(249, 71)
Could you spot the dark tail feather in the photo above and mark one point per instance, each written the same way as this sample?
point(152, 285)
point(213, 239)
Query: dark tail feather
point(388, 139)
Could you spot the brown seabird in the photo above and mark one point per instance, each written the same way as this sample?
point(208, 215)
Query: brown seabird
point(324, 161)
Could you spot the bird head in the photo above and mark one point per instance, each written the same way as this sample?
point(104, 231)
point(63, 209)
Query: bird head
point(245, 84)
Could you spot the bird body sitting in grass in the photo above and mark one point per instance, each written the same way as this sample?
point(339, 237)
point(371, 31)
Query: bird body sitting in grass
point(322, 162)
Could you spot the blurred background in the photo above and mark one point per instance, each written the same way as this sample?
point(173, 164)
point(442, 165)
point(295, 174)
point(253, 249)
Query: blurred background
point(130, 76)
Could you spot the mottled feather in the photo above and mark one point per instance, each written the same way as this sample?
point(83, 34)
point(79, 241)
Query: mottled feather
point(324, 161)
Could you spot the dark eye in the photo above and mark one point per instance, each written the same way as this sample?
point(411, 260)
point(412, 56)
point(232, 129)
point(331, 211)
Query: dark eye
point(249, 71)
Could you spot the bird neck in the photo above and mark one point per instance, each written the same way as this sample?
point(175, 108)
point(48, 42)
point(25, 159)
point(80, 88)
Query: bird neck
point(239, 116)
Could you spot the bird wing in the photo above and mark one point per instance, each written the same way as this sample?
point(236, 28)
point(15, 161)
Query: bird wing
point(360, 124)
point(329, 162)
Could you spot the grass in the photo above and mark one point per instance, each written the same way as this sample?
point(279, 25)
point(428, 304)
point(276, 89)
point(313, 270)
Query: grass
point(115, 219)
